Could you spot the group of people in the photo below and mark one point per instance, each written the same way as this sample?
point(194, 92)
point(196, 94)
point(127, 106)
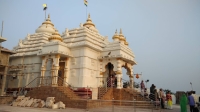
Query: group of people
point(158, 97)
point(184, 101)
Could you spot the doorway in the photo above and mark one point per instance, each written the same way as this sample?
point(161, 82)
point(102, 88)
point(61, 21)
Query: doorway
point(111, 80)
point(61, 73)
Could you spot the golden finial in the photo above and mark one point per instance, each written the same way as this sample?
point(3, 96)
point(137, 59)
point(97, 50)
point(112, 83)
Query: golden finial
point(115, 35)
point(89, 15)
point(120, 31)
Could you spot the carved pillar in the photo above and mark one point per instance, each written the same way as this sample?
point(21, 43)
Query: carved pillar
point(43, 69)
point(131, 81)
point(101, 80)
point(55, 69)
point(119, 77)
point(65, 70)
point(131, 76)
point(119, 74)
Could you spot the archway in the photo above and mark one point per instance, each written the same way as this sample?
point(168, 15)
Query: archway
point(126, 74)
point(110, 75)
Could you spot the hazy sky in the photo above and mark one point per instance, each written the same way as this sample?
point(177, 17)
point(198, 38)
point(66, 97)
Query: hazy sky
point(163, 34)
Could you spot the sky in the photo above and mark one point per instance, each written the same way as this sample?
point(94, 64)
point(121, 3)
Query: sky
point(163, 34)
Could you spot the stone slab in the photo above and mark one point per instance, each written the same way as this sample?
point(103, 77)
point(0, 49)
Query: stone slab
point(29, 102)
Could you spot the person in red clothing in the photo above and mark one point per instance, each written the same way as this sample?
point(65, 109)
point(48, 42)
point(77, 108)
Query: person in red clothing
point(169, 100)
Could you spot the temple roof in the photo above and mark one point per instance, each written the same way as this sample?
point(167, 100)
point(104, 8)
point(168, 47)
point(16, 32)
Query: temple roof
point(47, 26)
point(6, 50)
point(2, 39)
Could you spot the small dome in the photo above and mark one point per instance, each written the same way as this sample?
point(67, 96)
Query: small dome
point(90, 25)
point(115, 35)
point(46, 26)
point(55, 36)
point(88, 22)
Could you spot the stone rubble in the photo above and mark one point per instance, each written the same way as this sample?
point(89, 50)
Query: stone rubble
point(49, 102)
point(23, 101)
point(17, 101)
point(58, 105)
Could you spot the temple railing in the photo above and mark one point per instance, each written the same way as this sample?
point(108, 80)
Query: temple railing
point(44, 81)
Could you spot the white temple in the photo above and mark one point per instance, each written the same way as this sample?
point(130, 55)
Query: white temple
point(81, 57)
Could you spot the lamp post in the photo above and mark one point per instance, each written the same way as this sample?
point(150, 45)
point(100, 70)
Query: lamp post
point(191, 86)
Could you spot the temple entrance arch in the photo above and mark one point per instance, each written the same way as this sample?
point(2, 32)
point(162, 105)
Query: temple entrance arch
point(126, 74)
point(110, 76)
point(113, 67)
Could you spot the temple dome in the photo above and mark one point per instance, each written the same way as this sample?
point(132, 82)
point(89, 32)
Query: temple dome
point(89, 24)
point(115, 36)
point(47, 26)
point(55, 36)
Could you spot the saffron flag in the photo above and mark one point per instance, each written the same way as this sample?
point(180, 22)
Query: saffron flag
point(45, 6)
point(86, 3)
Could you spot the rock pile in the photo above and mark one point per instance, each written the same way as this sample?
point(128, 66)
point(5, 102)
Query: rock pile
point(23, 101)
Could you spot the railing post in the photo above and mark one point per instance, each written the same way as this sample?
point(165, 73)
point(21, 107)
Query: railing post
point(134, 106)
point(112, 105)
point(106, 83)
point(87, 92)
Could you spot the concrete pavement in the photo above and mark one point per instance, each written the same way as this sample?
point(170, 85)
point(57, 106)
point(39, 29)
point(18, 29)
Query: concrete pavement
point(7, 108)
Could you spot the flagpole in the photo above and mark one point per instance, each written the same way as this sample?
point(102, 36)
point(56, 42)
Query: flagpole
point(45, 15)
point(2, 29)
point(86, 12)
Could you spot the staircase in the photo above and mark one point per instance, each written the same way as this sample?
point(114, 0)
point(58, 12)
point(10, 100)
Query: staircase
point(125, 97)
point(60, 93)
point(105, 93)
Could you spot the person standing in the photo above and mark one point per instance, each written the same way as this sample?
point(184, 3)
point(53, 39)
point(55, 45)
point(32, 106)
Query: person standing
point(183, 103)
point(169, 100)
point(152, 88)
point(162, 98)
point(156, 97)
point(142, 86)
point(191, 102)
point(151, 95)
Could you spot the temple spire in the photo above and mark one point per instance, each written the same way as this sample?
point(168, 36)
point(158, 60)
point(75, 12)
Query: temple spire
point(120, 31)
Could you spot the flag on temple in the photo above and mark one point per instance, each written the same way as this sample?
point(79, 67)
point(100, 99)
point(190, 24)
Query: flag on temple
point(45, 6)
point(86, 3)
